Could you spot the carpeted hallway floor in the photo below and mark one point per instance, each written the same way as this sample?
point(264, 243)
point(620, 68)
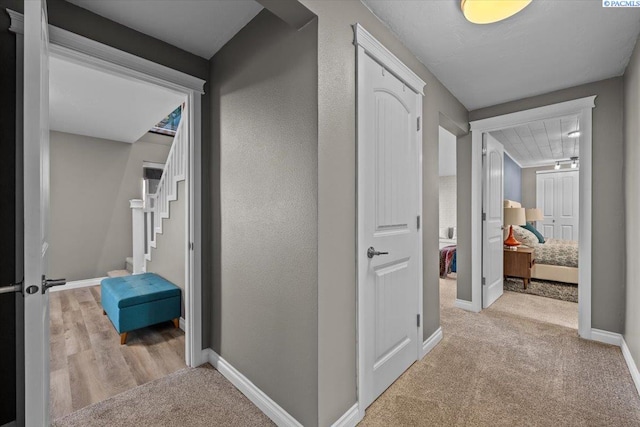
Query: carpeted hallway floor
point(498, 368)
point(502, 367)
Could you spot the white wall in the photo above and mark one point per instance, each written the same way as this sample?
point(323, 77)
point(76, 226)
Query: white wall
point(448, 201)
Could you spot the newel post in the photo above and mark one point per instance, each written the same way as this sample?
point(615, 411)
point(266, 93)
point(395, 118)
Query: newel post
point(137, 218)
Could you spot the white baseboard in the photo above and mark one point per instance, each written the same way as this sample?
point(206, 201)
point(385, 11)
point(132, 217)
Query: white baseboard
point(606, 337)
point(77, 284)
point(270, 408)
point(631, 364)
point(431, 342)
point(350, 418)
point(465, 305)
point(182, 321)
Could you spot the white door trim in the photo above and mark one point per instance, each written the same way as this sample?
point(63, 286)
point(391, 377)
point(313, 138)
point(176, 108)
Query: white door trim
point(582, 107)
point(367, 45)
point(79, 49)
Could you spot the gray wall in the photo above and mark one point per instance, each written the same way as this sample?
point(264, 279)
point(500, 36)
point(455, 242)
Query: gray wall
point(337, 193)
point(608, 256)
point(529, 185)
point(512, 179)
point(632, 202)
point(92, 181)
point(463, 248)
point(264, 102)
point(167, 258)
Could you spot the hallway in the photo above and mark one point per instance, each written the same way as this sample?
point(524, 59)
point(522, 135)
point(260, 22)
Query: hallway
point(495, 368)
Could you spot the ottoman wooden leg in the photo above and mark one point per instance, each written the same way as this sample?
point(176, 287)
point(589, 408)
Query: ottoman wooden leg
point(176, 323)
point(123, 338)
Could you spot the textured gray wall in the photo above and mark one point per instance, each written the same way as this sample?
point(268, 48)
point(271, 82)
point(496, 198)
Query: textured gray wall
point(337, 193)
point(608, 256)
point(632, 201)
point(512, 179)
point(264, 103)
point(92, 181)
point(167, 258)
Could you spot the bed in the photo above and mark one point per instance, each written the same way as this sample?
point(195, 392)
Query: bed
point(556, 259)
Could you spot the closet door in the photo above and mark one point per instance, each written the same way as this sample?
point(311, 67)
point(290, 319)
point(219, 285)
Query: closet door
point(557, 197)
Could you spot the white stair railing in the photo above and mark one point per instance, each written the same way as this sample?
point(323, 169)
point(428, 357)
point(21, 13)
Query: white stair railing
point(157, 205)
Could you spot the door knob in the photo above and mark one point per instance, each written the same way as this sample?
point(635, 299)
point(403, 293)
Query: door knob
point(371, 252)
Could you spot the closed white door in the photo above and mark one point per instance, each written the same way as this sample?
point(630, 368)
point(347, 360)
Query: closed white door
point(492, 252)
point(36, 212)
point(557, 197)
point(389, 244)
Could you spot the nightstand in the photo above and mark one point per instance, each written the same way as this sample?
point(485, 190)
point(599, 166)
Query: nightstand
point(519, 263)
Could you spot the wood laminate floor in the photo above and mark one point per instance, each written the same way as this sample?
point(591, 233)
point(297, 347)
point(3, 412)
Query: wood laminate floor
point(88, 364)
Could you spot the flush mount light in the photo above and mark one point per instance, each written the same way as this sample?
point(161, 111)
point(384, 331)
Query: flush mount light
point(574, 134)
point(557, 166)
point(489, 11)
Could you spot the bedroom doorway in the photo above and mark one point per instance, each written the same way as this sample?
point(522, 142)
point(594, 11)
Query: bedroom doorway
point(448, 230)
point(538, 142)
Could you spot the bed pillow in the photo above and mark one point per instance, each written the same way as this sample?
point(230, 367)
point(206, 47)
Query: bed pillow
point(532, 229)
point(444, 232)
point(525, 237)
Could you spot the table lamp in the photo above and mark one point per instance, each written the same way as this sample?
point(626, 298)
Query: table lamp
point(513, 216)
point(534, 214)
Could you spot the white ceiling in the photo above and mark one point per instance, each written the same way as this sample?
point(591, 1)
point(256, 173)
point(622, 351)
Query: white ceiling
point(201, 27)
point(446, 152)
point(542, 142)
point(85, 101)
point(550, 45)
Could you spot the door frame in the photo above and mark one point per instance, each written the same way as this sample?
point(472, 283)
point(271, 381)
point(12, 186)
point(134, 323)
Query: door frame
point(81, 50)
point(367, 45)
point(583, 108)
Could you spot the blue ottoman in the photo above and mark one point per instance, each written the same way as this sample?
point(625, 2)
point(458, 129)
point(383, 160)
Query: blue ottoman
point(138, 301)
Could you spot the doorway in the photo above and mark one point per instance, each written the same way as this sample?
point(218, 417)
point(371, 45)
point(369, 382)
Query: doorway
point(482, 129)
point(77, 49)
point(389, 214)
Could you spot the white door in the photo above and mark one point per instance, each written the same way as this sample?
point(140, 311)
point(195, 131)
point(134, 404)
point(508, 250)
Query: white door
point(36, 212)
point(492, 235)
point(389, 242)
point(557, 197)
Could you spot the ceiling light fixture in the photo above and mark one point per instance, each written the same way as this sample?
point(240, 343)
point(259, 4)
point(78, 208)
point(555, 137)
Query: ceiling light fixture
point(490, 11)
point(574, 134)
point(557, 166)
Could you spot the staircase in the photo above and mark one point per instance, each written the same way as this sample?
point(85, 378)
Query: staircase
point(147, 224)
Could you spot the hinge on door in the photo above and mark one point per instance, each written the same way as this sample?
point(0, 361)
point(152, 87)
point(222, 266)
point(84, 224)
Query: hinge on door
point(190, 246)
point(484, 216)
point(484, 281)
point(418, 222)
point(418, 120)
point(418, 324)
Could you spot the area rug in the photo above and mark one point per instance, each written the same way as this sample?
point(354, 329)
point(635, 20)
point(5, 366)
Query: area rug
point(190, 397)
point(544, 288)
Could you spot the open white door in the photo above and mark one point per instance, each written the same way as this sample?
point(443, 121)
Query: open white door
point(389, 243)
point(492, 235)
point(36, 212)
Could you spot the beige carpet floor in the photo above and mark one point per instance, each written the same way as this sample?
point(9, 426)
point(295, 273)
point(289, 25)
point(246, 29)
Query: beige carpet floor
point(498, 368)
point(189, 397)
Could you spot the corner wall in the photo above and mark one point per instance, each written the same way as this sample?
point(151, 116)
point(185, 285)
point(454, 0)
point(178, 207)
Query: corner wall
point(264, 200)
point(92, 181)
point(632, 202)
point(608, 256)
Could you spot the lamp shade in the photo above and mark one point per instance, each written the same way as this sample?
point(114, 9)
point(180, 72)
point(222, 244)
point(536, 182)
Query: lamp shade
point(514, 216)
point(489, 11)
point(534, 214)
